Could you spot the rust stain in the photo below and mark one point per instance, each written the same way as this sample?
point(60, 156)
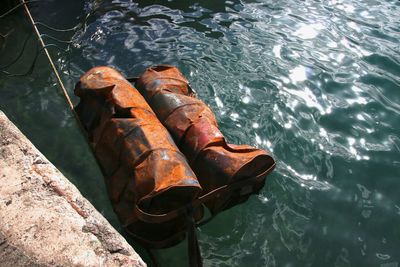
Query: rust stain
point(59, 191)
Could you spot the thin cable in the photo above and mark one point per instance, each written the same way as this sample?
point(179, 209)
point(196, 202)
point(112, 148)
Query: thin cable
point(19, 55)
point(55, 39)
point(56, 46)
point(4, 36)
point(17, 6)
point(30, 70)
point(55, 29)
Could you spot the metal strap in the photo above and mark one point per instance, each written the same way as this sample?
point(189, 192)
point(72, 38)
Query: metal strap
point(160, 218)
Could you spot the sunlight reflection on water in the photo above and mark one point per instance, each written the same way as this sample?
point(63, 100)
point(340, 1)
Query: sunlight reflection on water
point(314, 82)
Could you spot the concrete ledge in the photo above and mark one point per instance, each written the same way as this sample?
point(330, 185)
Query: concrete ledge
point(44, 220)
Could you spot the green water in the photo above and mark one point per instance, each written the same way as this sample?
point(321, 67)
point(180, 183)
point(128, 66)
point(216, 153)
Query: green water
point(317, 83)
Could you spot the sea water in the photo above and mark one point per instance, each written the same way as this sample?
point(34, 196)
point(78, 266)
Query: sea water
point(316, 83)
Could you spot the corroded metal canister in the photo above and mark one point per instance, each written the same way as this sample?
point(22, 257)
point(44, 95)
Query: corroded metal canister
point(194, 128)
point(145, 171)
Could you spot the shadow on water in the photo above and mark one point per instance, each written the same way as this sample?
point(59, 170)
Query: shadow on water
point(315, 82)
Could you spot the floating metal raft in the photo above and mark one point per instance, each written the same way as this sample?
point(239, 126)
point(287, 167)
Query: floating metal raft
point(144, 169)
point(157, 189)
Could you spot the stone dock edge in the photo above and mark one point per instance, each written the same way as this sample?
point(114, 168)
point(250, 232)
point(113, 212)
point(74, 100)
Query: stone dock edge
point(44, 219)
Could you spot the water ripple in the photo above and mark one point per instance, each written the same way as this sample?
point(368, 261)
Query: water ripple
point(314, 82)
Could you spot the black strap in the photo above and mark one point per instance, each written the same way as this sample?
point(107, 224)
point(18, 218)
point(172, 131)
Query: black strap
point(169, 241)
point(152, 257)
point(194, 253)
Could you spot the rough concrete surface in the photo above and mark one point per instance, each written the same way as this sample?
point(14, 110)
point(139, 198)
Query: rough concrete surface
point(44, 220)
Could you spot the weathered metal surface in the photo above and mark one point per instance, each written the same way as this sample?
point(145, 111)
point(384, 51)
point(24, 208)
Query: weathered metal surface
point(195, 130)
point(143, 167)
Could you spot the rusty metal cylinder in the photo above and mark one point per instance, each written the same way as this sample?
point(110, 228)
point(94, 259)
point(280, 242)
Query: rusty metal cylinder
point(195, 130)
point(143, 168)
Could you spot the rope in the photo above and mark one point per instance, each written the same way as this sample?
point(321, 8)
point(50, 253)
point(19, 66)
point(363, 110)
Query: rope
point(44, 47)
